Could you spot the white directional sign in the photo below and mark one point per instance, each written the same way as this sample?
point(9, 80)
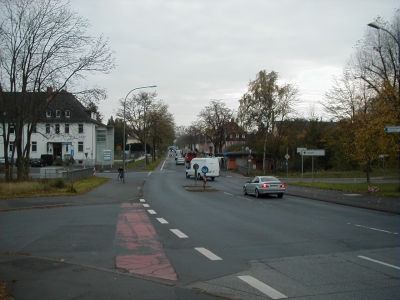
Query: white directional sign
point(317, 152)
point(392, 129)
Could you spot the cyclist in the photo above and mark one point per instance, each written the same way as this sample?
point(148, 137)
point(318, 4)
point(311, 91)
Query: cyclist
point(120, 173)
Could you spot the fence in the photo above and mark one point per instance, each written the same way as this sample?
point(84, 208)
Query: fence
point(77, 173)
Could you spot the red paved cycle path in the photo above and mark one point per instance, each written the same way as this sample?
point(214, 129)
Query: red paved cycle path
point(138, 244)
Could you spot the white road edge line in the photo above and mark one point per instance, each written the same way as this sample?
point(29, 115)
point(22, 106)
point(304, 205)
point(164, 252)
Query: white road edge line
point(208, 253)
point(262, 287)
point(152, 212)
point(162, 167)
point(162, 220)
point(179, 233)
point(379, 262)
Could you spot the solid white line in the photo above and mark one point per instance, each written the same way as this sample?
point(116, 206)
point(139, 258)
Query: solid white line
point(163, 165)
point(179, 233)
point(146, 205)
point(262, 287)
point(162, 221)
point(152, 212)
point(142, 200)
point(379, 262)
point(228, 194)
point(208, 254)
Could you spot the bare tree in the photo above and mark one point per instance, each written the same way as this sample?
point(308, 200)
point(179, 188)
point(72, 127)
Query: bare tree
point(212, 120)
point(42, 44)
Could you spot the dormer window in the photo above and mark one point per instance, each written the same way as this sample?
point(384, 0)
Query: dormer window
point(48, 113)
point(67, 113)
point(58, 113)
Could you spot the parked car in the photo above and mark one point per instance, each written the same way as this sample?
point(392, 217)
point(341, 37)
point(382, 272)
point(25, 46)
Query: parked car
point(37, 162)
point(180, 161)
point(264, 185)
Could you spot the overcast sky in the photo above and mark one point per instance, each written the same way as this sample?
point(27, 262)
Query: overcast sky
point(196, 51)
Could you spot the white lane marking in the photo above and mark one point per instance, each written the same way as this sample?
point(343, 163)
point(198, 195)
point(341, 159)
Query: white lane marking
point(146, 205)
point(373, 228)
point(162, 167)
point(142, 200)
point(149, 173)
point(162, 220)
point(152, 212)
point(245, 198)
point(228, 194)
point(379, 262)
point(179, 233)
point(262, 287)
point(208, 253)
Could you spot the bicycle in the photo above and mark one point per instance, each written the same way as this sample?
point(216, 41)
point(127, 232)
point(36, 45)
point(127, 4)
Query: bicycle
point(120, 175)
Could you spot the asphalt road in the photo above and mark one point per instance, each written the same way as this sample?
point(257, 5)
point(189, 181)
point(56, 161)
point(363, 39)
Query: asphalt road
point(151, 238)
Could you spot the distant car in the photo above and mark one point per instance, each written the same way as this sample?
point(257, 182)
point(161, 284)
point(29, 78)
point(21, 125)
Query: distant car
point(180, 161)
point(37, 162)
point(190, 155)
point(264, 185)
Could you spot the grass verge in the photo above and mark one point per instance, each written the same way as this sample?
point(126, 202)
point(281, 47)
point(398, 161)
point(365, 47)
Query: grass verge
point(49, 187)
point(385, 189)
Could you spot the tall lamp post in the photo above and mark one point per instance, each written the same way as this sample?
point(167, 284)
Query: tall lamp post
point(397, 40)
point(123, 147)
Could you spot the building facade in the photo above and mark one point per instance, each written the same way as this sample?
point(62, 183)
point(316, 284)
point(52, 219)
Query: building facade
point(66, 128)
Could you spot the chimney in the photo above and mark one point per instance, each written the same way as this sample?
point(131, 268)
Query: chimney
point(49, 94)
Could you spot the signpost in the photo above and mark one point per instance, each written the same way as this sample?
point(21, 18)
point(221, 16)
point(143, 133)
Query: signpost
point(312, 153)
point(195, 167)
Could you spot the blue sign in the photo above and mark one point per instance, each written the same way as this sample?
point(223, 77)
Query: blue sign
point(224, 154)
point(204, 169)
point(72, 153)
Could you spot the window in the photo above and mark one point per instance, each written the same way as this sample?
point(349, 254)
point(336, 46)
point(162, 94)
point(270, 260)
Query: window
point(57, 128)
point(101, 137)
point(80, 126)
point(80, 146)
point(66, 127)
point(11, 146)
point(48, 113)
point(67, 113)
point(66, 147)
point(237, 136)
point(34, 146)
point(47, 128)
point(34, 130)
point(243, 136)
point(12, 128)
point(58, 113)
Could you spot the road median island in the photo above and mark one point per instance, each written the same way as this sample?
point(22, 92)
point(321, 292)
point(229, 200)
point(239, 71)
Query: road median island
point(199, 188)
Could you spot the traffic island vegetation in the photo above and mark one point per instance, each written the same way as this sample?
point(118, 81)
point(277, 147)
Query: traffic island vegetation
point(49, 187)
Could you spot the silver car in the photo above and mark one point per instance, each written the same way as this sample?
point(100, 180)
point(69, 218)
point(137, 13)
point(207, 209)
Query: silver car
point(264, 185)
point(180, 161)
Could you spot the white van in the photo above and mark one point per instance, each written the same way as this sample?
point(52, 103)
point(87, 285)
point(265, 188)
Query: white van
point(211, 165)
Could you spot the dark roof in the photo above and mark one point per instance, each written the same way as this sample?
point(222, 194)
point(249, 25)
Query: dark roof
point(62, 101)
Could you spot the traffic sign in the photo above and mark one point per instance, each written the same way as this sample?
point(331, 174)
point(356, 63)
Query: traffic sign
point(204, 169)
point(287, 156)
point(317, 152)
point(392, 129)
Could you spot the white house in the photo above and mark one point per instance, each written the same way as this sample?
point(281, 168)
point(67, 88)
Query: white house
point(66, 127)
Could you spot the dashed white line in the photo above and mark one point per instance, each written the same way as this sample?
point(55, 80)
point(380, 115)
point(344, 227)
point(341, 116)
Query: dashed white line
point(179, 233)
point(152, 212)
point(379, 262)
point(162, 220)
point(262, 287)
point(142, 200)
point(208, 253)
point(149, 173)
point(373, 228)
point(228, 194)
point(146, 205)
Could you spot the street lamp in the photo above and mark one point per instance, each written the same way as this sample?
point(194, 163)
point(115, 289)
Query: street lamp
point(379, 27)
point(123, 147)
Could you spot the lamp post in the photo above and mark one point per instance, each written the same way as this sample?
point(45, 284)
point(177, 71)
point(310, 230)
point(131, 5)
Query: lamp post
point(397, 40)
point(123, 147)
point(379, 27)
